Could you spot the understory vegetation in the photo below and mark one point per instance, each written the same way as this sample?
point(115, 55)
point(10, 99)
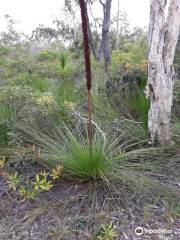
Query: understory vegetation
point(45, 158)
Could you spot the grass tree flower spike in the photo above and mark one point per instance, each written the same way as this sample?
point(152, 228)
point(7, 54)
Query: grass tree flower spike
point(87, 62)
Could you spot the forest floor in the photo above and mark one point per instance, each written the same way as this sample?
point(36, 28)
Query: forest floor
point(66, 212)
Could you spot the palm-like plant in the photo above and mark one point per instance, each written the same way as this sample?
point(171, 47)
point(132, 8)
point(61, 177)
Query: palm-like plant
point(108, 163)
point(87, 62)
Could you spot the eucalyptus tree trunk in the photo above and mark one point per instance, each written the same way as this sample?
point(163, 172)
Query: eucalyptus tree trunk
point(163, 36)
point(104, 47)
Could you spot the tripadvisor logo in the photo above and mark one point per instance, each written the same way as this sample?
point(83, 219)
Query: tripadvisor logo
point(139, 231)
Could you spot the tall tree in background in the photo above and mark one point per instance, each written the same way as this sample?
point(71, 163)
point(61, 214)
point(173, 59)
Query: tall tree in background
point(104, 46)
point(163, 36)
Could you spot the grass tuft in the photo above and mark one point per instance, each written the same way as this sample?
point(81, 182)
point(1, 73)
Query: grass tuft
point(70, 148)
point(78, 163)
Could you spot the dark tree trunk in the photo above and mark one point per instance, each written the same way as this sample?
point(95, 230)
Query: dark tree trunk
point(104, 47)
point(87, 68)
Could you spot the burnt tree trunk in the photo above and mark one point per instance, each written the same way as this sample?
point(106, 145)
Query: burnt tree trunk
point(163, 36)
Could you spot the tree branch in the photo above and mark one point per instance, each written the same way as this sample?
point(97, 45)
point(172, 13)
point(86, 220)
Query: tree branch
point(103, 4)
point(95, 124)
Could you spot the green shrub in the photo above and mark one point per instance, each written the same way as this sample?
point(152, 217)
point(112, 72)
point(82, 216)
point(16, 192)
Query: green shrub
point(21, 101)
point(39, 84)
point(47, 56)
point(4, 50)
point(34, 81)
point(64, 92)
point(129, 60)
point(103, 110)
point(63, 60)
point(46, 70)
point(5, 122)
point(136, 100)
point(4, 135)
point(107, 232)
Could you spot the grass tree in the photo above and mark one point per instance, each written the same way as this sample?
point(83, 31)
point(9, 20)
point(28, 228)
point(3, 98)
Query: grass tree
point(163, 36)
point(87, 68)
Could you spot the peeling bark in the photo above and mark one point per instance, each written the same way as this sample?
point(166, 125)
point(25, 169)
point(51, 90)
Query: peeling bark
point(163, 37)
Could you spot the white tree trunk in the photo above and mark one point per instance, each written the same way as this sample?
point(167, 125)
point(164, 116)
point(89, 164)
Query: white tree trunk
point(163, 36)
